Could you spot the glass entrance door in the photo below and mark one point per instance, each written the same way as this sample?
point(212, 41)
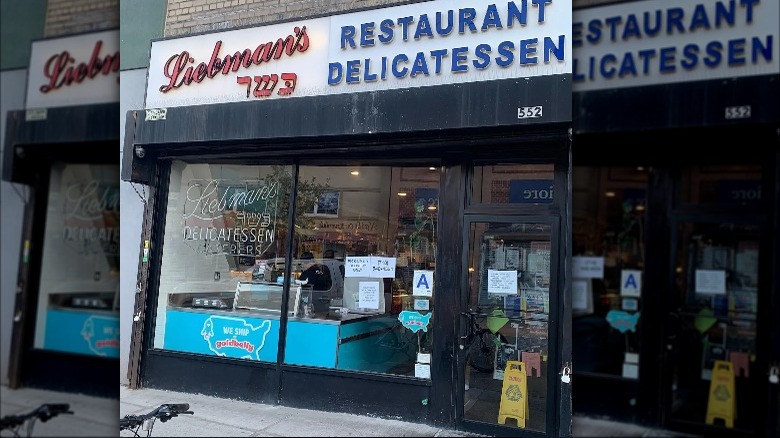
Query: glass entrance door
point(715, 372)
point(508, 354)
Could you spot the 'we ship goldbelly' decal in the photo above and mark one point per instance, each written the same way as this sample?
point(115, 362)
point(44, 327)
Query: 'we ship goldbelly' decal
point(415, 321)
point(234, 337)
point(102, 335)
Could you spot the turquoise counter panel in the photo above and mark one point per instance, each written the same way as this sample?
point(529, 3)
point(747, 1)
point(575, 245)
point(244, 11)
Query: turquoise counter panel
point(310, 343)
point(222, 335)
point(82, 332)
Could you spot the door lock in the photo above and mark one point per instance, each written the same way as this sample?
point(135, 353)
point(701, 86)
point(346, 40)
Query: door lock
point(566, 374)
point(774, 375)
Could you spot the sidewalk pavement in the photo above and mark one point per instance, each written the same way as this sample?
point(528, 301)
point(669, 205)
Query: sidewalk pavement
point(95, 416)
point(92, 416)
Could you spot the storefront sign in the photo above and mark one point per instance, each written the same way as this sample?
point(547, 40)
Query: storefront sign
point(233, 218)
point(76, 70)
point(82, 333)
point(241, 338)
point(422, 44)
point(660, 42)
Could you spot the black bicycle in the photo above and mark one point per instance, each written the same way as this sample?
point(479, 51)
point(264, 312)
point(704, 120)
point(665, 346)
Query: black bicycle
point(164, 412)
point(481, 345)
point(44, 412)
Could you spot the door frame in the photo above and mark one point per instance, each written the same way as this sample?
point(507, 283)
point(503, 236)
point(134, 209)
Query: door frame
point(716, 216)
point(559, 404)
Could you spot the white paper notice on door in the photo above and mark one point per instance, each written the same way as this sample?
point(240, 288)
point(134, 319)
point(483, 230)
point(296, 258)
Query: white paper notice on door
point(710, 281)
point(502, 282)
point(368, 295)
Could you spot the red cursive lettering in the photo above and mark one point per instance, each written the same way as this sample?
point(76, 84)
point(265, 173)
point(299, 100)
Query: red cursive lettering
point(180, 69)
point(62, 70)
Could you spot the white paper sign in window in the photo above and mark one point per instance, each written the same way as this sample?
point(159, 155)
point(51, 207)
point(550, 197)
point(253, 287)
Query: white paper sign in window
point(382, 267)
point(710, 281)
point(502, 282)
point(587, 267)
point(368, 295)
point(357, 267)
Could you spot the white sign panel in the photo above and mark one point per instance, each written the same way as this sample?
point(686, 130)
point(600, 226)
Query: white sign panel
point(710, 281)
point(76, 70)
point(382, 267)
point(407, 46)
point(422, 284)
point(630, 283)
point(422, 371)
point(579, 294)
point(502, 282)
point(662, 42)
point(357, 267)
point(587, 267)
point(368, 293)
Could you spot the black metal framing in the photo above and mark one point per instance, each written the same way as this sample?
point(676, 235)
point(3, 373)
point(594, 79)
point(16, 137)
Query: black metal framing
point(344, 390)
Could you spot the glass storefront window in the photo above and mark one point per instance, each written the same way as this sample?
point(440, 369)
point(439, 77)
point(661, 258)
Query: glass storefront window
point(513, 184)
point(608, 237)
point(222, 223)
point(78, 296)
point(364, 261)
point(362, 269)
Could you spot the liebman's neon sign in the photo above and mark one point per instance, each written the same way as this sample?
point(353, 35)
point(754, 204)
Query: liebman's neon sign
point(180, 69)
point(62, 71)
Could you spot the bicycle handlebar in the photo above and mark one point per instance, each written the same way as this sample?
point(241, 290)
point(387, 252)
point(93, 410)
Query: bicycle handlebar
point(164, 412)
point(43, 412)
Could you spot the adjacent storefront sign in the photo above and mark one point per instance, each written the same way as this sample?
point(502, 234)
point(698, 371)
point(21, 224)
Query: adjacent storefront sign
point(660, 42)
point(76, 70)
point(422, 44)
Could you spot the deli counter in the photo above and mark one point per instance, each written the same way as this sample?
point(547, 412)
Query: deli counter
point(245, 324)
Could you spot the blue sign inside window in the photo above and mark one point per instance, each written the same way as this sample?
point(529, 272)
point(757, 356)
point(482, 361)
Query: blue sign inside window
point(531, 191)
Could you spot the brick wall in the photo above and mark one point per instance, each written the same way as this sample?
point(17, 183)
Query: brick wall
point(65, 17)
point(192, 16)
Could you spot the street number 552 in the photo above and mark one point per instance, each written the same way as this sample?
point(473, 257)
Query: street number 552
point(529, 112)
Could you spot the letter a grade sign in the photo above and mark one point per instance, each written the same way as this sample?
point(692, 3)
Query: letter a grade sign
point(423, 283)
point(630, 283)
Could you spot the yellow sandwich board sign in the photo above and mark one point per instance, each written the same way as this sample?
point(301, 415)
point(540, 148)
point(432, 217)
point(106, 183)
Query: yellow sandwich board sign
point(514, 394)
point(722, 401)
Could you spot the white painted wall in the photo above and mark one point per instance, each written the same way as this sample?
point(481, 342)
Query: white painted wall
point(12, 86)
point(131, 219)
